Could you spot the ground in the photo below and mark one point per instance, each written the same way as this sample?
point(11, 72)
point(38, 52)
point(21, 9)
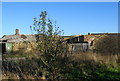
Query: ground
point(82, 66)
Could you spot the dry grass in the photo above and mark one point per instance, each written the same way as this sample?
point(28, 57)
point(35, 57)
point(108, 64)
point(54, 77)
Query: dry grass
point(104, 59)
point(107, 59)
point(9, 75)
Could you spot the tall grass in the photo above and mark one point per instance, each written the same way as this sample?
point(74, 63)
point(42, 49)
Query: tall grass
point(106, 59)
point(83, 66)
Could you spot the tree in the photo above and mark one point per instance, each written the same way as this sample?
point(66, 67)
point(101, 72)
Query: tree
point(50, 44)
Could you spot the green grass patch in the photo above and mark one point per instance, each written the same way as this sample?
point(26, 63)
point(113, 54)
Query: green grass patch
point(14, 55)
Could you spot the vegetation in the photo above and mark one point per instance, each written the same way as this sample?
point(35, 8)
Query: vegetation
point(77, 67)
point(49, 44)
point(54, 62)
point(107, 44)
point(14, 55)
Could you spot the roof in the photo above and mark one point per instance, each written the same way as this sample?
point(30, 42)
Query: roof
point(18, 38)
point(104, 33)
point(69, 37)
point(31, 37)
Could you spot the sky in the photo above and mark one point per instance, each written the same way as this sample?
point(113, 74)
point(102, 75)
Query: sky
point(0, 19)
point(59, 0)
point(73, 17)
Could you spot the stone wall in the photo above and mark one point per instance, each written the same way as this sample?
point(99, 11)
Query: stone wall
point(25, 47)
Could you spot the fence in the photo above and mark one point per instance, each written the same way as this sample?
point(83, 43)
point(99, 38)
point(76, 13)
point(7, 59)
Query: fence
point(77, 47)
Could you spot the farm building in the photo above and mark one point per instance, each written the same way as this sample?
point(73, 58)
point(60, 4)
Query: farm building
point(10, 43)
point(26, 43)
point(86, 42)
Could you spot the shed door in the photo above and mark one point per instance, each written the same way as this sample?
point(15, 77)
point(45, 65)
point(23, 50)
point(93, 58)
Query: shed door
point(8, 47)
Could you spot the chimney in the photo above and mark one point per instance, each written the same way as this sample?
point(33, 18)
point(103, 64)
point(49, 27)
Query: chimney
point(88, 33)
point(17, 32)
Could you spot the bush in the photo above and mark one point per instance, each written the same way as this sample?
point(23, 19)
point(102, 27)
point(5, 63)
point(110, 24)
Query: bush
point(107, 44)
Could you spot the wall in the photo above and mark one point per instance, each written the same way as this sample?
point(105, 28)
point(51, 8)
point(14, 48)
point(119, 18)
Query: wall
point(26, 47)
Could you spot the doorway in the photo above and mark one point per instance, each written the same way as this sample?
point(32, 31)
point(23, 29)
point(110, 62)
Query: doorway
point(3, 48)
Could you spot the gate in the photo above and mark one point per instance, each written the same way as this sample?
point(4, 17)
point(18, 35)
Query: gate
point(77, 47)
